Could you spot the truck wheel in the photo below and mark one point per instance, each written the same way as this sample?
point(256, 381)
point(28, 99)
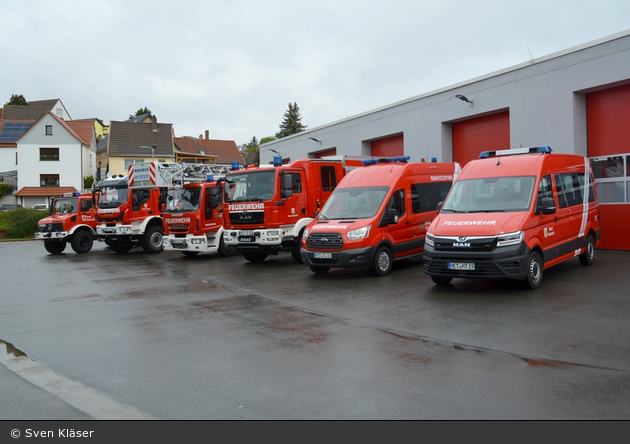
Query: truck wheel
point(254, 256)
point(587, 257)
point(319, 269)
point(441, 280)
point(119, 246)
point(152, 239)
point(382, 263)
point(534, 271)
point(295, 251)
point(82, 241)
point(226, 250)
point(54, 247)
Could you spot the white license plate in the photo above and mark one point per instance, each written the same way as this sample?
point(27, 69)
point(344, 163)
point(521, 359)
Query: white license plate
point(246, 233)
point(322, 255)
point(460, 266)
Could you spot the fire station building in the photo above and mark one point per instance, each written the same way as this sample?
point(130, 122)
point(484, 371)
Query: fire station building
point(575, 101)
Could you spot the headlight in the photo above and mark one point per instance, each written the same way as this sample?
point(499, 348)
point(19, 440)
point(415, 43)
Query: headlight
point(305, 234)
point(124, 230)
point(429, 240)
point(504, 240)
point(361, 233)
point(273, 232)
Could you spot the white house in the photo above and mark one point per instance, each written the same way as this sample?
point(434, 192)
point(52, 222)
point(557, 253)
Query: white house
point(54, 156)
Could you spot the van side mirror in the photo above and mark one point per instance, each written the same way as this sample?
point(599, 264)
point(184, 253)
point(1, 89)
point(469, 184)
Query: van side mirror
point(546, 206)
point(439, 206)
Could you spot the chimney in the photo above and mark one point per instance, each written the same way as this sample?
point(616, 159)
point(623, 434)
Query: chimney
point(207, 134)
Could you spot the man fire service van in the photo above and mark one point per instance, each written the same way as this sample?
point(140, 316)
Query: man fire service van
point(267, 208)
point(72, 220)
point(513, 213)
point(193, 217)
point(376, 215)
point(129, 208)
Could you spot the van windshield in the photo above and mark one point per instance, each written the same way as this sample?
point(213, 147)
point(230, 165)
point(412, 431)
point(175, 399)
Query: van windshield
point(353, 203)
point(490, 195)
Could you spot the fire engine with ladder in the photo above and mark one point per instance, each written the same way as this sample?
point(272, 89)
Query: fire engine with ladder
point(193, 216)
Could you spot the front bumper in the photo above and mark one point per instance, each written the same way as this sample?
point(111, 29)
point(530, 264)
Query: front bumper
point(273, 237)
point(199, 244)
point(352, 258)
point(48, 235)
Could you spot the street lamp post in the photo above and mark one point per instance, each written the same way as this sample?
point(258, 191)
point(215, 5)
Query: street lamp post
point(152, 148)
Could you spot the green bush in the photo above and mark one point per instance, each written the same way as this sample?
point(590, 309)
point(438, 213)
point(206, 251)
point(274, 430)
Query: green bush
point(3, 188)
point(21, 223)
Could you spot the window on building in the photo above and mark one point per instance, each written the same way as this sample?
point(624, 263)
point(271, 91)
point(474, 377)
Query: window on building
point(612, 176)
point(129, 162)
point(49, 180)
point(59, 112)
point(49, 130)
point(49, 154)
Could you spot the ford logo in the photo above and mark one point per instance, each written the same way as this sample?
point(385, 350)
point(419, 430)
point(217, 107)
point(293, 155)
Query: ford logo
point(323, 239)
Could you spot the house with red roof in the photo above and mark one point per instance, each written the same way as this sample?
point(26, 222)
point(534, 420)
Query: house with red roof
point(53, 157)
point(206, 150)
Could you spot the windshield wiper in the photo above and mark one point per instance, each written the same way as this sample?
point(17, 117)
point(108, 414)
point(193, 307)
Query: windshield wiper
point(453, 211)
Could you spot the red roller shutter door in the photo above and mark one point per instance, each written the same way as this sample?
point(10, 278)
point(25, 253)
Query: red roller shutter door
point(332, 152)
point(608, 120)
point(471, 137)
point(390, 147)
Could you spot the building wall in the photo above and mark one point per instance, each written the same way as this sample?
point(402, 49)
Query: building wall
point(545, 99)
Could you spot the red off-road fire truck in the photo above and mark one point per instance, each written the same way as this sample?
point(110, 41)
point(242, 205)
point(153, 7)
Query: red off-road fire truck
point(266, 208)
point(72, 220)
point(129, 208)
point(193, 217)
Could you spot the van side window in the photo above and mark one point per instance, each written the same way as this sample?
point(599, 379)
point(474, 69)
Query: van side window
point(544, 189)
point(329, 177)
point(425, 196)
point(397, 202)
point(570, 188)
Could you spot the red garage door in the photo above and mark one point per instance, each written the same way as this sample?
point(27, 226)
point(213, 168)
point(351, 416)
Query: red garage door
point(471, 137)
point(390, 147)
point(608, 121)
point(331, 152)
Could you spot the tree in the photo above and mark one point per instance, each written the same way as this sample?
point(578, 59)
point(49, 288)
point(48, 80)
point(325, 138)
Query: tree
point(88, 181)
point(292, 123)
point(140, 112)
point(17, 100)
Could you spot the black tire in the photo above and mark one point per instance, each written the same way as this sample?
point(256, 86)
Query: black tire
point(588, 256)
point(254, 256)
point(121, 246)
point(152, 239)
point(382, 263)
point(534, 271)
point(82, 241)
point(318, 269)
point(55, 247)
point(441, 280)
point(226, 250)
point(190, 253)
point(295, 251)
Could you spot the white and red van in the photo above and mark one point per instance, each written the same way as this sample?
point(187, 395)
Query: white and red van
point(513, 213)
point(376, 215)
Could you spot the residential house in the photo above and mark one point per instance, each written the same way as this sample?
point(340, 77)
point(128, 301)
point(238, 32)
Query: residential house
point(131, 143)
point(200, 150)
point(54, 156)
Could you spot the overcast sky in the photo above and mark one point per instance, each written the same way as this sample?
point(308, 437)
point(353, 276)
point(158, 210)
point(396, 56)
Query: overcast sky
point(232, 67)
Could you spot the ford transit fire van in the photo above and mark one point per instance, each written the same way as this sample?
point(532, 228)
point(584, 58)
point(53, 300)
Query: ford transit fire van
point(513, 213)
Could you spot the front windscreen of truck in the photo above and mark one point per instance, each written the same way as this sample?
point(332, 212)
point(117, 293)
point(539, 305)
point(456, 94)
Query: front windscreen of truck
point(66, 206)
point(490, 195)
point(183, 199)
point(353, 203)
point(112, 196)
point(250, 186)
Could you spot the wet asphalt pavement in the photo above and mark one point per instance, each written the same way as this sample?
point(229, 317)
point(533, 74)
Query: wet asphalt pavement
point(164, 336)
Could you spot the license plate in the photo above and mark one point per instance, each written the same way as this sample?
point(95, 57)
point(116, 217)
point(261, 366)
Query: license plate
point(178, 242)
point(109, 230)
point(322, 255)
point(246, 238)
point(460, 266)
point(246, 233)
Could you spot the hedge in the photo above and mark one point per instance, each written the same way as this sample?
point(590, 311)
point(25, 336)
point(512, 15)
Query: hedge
point(20, 223)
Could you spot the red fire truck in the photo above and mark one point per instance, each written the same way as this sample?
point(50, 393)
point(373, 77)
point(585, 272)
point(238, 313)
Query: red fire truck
point(72, 220)
point(129, 208)
point(266, 208)
point(193, 217)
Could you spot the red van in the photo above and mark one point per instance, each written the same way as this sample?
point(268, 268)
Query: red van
point(376, 215)
point(513, 213)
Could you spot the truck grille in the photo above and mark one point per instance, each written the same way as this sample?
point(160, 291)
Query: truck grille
point(465, 244)
point(325, 241)
point(247, 217)
point(51, 228)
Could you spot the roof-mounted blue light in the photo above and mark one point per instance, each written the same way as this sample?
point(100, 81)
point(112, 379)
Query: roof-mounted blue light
point(401, 159)
point(531, 150)
point(71, 194)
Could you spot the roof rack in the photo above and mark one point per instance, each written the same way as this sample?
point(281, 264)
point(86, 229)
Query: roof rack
point(531, 150)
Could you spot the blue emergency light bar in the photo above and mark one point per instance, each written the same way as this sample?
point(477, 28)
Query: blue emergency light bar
point(532, 150)
point(401, 159)
point(74, 194)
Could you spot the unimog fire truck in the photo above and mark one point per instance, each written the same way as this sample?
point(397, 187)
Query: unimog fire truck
point(193, 217)
point(72, 220)
point(266, 208)
point(129, 208)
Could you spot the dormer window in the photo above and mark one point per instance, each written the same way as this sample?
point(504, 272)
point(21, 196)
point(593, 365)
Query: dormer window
point(49, 130)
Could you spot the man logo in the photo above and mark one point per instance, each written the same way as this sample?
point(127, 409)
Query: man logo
point(461, 244)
